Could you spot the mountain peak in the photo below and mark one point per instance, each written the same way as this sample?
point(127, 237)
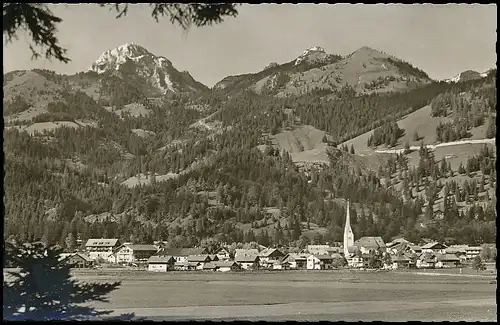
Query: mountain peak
point(135, 61)
point(315, 50)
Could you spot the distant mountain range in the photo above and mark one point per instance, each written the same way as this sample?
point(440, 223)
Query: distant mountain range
point(131, 72)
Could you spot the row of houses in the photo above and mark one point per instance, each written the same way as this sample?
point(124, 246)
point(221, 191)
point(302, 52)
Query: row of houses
point(404, 254)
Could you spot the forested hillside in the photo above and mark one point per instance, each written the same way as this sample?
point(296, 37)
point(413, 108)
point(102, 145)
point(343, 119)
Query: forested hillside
point(187, 167)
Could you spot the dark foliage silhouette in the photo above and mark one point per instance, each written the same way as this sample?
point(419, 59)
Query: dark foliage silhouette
point(41, 287)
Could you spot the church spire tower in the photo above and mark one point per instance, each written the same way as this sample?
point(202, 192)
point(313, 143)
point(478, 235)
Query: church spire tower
point(348, 234)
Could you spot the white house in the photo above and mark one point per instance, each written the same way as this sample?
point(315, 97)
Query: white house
point(319, 262)
point(101, 248)
point(472, 251)
point(160, 263)
point(131, 253)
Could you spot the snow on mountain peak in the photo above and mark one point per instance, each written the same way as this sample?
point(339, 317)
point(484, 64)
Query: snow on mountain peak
point(309, 51)
point(153, 68)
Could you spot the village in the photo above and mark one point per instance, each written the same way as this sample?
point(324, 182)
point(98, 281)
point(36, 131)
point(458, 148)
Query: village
point(366, 253)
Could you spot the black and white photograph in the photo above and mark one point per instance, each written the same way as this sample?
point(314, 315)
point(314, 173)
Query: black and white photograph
point(249, 162)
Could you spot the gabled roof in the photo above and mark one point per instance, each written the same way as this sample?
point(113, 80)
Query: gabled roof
point(268, 251)
point(198, 258)
point(66, 256)
point(247, 258)
point(102, 242)
point(160, 259)
point(248, 252)
point(222, 249)
point(182, 251)
point(295, 257)
point(370, 242)
point(433, 245)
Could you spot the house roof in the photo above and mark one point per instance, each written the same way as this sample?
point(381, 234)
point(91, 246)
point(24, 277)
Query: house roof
point(433, 245)
point(323, 257)
point(198, 258)
point(268, 251)
point(247, 252)
point(447, 257)
point(213, 257)
point(187, 264)
point(141, 247)
point(295, 257)
point(416, 248)
point(247, 258)
point(65, 256)
point(160, 259)
point(182, 251)
point(474, 248)
point(225, 263)
point(84, 256)
point(370, 242)
point(103, 242)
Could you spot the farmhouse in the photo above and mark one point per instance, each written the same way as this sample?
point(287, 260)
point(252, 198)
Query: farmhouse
point(160, 263)
point(78, 260)
point(223, 254)
point(297, 261)
point(426, 260)
point(181, 254)
point(402, 261)
point(248, 262)
point(269, 254)
point(370, 244)
point(435, 248)
point(200, 259)
point(447, 261)
point(319, 262)
point(101, 248)
point(130, 253)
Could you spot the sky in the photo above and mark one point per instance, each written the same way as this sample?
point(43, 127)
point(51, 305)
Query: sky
point(442, 40)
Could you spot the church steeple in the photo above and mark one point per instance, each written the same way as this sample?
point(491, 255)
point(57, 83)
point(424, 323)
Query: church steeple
point(348, 234)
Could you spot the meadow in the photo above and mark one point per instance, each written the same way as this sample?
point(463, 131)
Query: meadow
point(297, 295)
